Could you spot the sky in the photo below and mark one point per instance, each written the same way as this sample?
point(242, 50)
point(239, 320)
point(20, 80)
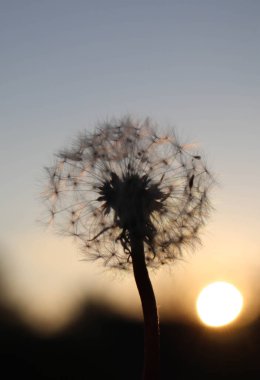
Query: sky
point(66, 65)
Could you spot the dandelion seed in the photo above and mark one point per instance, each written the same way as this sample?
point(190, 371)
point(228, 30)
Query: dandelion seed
point(137, 185)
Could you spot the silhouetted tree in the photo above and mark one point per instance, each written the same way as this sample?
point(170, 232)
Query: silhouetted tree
point(133, 198)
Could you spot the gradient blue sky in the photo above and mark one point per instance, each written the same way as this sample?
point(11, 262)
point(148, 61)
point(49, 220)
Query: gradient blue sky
point(65, 65)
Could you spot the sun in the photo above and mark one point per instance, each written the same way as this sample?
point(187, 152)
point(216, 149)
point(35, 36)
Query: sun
point(219, 304)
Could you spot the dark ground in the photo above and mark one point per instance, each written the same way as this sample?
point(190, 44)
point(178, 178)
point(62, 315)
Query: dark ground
point(103, 345)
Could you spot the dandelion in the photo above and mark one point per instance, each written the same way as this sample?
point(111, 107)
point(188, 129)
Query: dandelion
point(133, 199)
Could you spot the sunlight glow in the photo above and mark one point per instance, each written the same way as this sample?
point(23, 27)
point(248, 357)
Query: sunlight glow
point(219, 303)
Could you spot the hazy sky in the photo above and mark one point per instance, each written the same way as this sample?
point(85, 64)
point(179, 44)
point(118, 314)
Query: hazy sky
point(65, 65)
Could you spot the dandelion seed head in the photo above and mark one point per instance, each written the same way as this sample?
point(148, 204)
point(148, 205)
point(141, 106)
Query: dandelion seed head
point(126, 180)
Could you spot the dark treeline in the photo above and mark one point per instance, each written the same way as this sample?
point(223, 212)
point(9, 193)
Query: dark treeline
point(102, 345)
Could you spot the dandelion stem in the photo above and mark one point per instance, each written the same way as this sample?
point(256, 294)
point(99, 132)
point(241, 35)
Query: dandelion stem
point(151, 320)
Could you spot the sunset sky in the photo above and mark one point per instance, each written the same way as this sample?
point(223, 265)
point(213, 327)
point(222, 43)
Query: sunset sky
point(190, 65)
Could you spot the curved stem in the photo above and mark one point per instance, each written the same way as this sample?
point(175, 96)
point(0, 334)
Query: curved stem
point(151, 320)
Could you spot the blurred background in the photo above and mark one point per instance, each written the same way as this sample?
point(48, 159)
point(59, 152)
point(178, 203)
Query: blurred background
point(66, 65)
